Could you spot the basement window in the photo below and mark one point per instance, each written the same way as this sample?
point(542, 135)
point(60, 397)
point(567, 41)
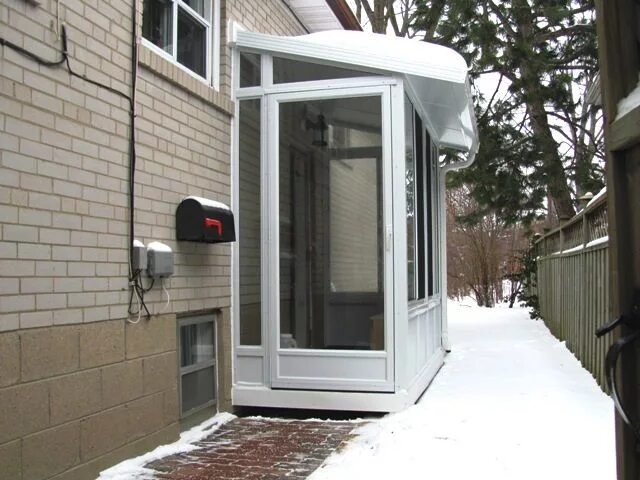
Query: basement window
point(180, 30)
point(197, 363)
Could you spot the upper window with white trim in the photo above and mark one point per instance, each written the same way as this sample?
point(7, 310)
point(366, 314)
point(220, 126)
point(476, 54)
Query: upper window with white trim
point(181, 31)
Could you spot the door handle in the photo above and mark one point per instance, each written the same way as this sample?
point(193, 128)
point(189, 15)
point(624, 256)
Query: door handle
point(611, 360)
point(610, 365)
point(603, 330)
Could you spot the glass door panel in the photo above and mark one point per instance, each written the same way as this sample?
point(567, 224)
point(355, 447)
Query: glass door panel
point(331, 249)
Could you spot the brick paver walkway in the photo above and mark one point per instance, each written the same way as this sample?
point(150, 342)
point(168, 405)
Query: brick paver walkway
point(256, 448)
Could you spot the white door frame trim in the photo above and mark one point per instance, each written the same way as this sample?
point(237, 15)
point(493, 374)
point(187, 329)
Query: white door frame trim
point(271, 244)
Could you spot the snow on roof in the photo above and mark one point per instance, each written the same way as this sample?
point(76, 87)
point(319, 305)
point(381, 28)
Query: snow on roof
point(386, 52)
point(437, 75)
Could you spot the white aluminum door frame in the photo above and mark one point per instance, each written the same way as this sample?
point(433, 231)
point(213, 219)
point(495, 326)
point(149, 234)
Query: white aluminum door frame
point(307, 361)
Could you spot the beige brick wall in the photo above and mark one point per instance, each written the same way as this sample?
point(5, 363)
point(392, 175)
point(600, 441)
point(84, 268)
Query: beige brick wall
point(64, 164)
point(63, 168)
point(80, 388)
point(64, 171)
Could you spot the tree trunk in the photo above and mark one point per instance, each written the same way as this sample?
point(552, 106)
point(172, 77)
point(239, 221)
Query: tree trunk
point(557, 178)
point(515, 289)
point(531, 82)
point(376, 14)
point(379, 21)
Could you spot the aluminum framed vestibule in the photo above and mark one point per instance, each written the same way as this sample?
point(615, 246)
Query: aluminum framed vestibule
point(338, 272)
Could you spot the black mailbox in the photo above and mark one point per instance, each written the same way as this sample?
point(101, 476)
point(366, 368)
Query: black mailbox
point(203, 220)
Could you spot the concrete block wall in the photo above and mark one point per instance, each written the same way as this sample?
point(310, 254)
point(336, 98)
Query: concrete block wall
point(76, 398)
point(81, 389)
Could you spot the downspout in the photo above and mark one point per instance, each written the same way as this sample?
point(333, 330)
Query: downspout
point(471, 156)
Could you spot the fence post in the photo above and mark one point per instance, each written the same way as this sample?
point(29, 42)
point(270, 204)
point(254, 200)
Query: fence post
point(582, 295)
point(585, 229)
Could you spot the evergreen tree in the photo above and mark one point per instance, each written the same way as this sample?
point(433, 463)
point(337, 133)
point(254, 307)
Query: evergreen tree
point(541, 50)
point(538, 139)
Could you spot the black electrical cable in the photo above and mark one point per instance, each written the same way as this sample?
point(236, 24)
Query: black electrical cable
point(131, 298)
point(97, 84)
point(63, 60)
point(135, 278)
point(132, 142)
point(31, 55)
point(136, 289)
point(145, 290)
point(140, 291)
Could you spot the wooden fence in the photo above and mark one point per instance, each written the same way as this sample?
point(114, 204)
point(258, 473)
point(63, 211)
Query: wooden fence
point(572, 284)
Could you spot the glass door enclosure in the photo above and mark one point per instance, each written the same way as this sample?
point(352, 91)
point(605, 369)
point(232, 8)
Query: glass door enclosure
point(338, 190)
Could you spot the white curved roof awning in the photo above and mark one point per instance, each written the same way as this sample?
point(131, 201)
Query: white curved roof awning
point(437, 74)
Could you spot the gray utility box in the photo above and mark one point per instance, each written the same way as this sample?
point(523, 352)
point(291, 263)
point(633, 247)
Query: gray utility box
point(159, 260)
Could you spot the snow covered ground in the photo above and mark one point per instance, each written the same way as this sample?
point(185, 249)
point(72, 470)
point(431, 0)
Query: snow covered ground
point(511, 402)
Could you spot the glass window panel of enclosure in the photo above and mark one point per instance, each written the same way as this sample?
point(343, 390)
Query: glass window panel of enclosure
point(196, 344)
point(249, 70)
point(198, 389)
point(331, 249)
point(432, 216)
point(437, 226)
point(157, 23)
point(289, 71)
point(421, 206)
point(410, 188)
point(249, 228)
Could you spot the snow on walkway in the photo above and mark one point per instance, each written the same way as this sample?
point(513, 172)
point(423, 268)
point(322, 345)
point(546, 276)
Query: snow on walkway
point(511, 402)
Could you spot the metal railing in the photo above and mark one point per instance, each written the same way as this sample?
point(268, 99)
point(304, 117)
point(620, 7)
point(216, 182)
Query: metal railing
point(572, 284)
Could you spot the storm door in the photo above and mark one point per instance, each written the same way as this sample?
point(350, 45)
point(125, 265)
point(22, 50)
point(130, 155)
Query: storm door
point(329, 252)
